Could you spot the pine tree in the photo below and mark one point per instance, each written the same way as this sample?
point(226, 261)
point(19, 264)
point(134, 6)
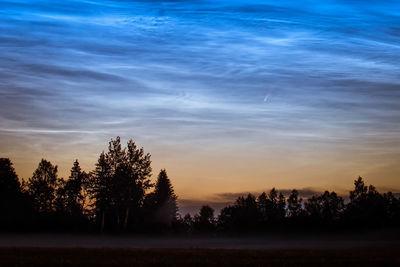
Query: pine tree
point(100, 189)
point(10, 195)
point(9, 182)
point(166, 207)
point(70, 198)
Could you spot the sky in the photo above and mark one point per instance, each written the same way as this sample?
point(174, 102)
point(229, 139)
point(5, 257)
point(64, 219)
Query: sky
point(229, 96)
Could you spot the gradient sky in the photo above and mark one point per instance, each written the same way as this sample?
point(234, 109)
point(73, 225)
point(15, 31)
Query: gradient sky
point(228, 96)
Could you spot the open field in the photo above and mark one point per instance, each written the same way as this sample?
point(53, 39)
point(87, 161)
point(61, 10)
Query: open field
point(33, 249)
point(377, 239)
point(197, 257)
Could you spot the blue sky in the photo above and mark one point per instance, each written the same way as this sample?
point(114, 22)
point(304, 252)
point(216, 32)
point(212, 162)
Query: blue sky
point(286, 92)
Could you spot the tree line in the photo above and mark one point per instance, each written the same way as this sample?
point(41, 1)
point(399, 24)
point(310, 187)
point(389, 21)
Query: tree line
point(118, 196)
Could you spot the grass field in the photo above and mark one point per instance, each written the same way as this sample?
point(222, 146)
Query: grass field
point(198, 257)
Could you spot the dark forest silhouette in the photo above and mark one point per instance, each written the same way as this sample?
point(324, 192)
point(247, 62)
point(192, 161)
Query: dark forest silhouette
point(118, 196)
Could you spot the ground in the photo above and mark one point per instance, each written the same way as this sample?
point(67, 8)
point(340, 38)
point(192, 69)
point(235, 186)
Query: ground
point(269, 250)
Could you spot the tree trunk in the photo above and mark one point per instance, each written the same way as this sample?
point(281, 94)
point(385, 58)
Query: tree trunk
point(126, 219)
point(102, 222)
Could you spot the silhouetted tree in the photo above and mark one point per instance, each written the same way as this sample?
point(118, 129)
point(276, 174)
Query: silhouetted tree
point(271, 206)
point(326, 208)
point(227, 219)
point(14, 204)
point(366, 206)
point(71, 196)
point(248, 214)
point(294, 205)
point(165, 206)
point(120, 181)
point(188, 223)
point(100, 190)
point(392, 208)
point(42, 186)
point(244, 215)
point(281, 210)
point(263, 205)
point(205, 220)
point(9, 182)
point(360, 191)
point(60, 199)
point(138, 170)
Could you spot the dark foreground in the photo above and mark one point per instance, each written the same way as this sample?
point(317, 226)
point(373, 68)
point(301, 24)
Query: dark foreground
point(197, 257)
point(380, 248)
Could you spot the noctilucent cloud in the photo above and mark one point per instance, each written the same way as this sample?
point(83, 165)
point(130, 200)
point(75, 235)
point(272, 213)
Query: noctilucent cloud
point(228, 96)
